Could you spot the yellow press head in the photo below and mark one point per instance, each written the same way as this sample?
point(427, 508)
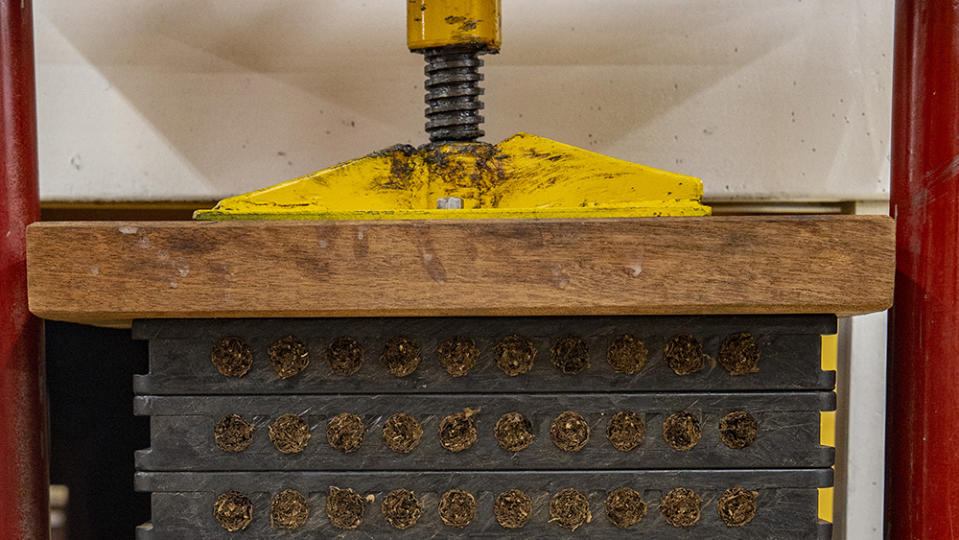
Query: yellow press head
point(442, 23)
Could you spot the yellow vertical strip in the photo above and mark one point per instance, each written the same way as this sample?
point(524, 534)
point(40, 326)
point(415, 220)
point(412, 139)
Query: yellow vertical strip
point(825, 503)
point(827, 428)
point(827, 423)
point(827, 419)
point(830, 352)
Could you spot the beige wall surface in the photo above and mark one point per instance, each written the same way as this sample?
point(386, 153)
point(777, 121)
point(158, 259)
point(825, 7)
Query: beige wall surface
point(187, 99)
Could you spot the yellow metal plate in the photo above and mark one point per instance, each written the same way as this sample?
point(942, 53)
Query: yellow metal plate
point(524, 176)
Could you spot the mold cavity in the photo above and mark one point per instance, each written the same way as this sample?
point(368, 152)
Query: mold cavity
point(569, 509)
point(233, 511)
point(458, 355)
point(513, 509)
point(625, 431)
point(457, 508)
point(402, 433)
point(344, 355)
point(569, 432)
point(680, 507)
point(625, 507)
point(232, 357)
point(738, 429)
point(627, 355)
point(682, 431)
point(513, 432)
point(401, 356)
point(570, 355)
point(290, 434)
point(345, 432)
point(233, 433)
point(288, 356)
point(684, 355)
point(515, 355)
point(737, 506)
point(739, 354)
point(289, 510)
point(458, 431)
point(345, 508)
point(401, 509)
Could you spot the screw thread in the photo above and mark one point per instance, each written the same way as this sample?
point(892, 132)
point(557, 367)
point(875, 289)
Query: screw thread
point(452, 94)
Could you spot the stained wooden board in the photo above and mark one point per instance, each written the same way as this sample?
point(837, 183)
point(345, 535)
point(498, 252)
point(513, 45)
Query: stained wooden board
point(110, 273)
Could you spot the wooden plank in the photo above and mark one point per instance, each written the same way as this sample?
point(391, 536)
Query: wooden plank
point(114, 272)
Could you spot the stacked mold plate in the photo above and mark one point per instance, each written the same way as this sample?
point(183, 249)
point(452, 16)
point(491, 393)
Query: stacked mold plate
point(527, 427)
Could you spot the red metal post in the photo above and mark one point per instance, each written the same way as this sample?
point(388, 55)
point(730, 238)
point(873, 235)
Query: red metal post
point(24, 476)
point(922, 466)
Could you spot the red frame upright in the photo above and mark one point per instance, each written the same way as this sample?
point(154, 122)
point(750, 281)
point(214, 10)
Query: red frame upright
point(922, 441)
point(24, 460)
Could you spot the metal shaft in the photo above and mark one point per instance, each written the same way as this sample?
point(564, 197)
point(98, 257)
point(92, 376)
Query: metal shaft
point(452, 94)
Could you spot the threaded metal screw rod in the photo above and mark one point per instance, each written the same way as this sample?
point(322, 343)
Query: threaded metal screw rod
point(452, 94)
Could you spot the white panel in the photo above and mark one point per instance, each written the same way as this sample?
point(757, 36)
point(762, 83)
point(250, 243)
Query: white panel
point(862, 395)
point(186, 99)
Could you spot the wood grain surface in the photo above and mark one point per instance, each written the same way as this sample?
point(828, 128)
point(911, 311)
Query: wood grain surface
point(109, 273)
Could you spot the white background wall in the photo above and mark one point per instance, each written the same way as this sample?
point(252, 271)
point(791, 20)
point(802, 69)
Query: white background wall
point(778, 100)
point(200, 99)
